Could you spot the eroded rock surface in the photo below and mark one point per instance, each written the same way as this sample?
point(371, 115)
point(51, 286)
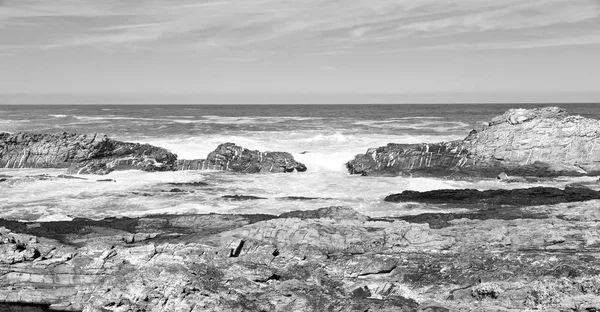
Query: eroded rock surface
point(231, 157)
point(331, 259)
point(522, 142)
point(81, 153)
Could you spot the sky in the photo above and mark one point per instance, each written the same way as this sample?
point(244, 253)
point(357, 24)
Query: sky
point(313, 51)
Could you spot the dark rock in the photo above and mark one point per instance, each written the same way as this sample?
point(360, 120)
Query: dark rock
point(536, 142)
point(241, 197)
point(195, 183)
point(142, 194)
point(442, 220)
point(230, 157)
point(70, 177)
point(178, 190)
point(106, 180)
point(82, 154)
point(334, 212)
point(515, 197)
point(3, 179)
point(302, 198)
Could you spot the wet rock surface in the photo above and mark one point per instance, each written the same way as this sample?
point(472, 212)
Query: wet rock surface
point(81, 153)
point(523, 142)
point(231, 157)
point(514, 197)
point(331, 259)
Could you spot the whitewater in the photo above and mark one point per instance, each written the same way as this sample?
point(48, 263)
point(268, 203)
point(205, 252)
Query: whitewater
point(324, 138)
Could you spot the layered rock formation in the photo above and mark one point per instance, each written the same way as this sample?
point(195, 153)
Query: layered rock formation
point(86, 153)
point(523, 142)
point(97, 154)
point(231, 157)
point(332, 259)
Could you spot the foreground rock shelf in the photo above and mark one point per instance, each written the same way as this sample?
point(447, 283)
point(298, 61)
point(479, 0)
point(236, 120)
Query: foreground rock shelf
point(522, 142)
point(331, 259)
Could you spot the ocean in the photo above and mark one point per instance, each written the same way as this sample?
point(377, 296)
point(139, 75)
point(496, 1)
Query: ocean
point(323, 137)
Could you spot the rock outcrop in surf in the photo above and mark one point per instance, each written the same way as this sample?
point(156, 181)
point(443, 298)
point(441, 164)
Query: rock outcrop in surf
point(231, 157)
point(522, 142)
point(97, 154)
point(81, 153)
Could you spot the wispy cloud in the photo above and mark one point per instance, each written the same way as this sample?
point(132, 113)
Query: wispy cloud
point(309, 25)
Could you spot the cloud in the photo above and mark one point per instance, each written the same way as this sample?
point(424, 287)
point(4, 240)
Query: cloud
point(290, 26)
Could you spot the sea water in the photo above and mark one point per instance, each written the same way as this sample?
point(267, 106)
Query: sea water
point(323, 137)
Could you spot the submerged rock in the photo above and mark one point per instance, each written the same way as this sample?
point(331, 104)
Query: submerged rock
point(194, 183)
point(231, 157)
point(81, 153)
point(241, 197)
point(515, 197)
point(522, 142)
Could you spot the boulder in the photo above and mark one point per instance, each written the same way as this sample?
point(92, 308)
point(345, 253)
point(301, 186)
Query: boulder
point(523, 142)
point(231, 157)
point(81, 153)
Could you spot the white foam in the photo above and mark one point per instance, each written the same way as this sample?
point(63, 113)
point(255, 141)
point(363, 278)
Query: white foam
point(58, 115)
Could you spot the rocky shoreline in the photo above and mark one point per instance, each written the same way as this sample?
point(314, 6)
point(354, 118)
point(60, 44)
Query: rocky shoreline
point(331, 259)
point(535, 248)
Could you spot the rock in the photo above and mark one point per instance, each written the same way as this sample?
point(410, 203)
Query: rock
point(82, 154)
point(106, 180)
point(502, 176)
point(70, 177)
point(515, 197)
point(230, 157)
point(194, 183)
point(335, 212)
point(302, 198)
point(3, 179)
point(178, 190)
point(522, 142)
point(241, 197)
point(330, 259)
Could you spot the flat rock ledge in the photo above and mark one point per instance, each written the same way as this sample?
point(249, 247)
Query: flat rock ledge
point(538, 142)
point(97, 154)
point(331, 259)
point(513, 197)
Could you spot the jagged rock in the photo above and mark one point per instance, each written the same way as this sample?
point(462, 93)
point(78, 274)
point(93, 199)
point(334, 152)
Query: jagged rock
point(81, 153)
point(516, 197)
point(522, 142)
point(230, 157)
point(330, 259)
